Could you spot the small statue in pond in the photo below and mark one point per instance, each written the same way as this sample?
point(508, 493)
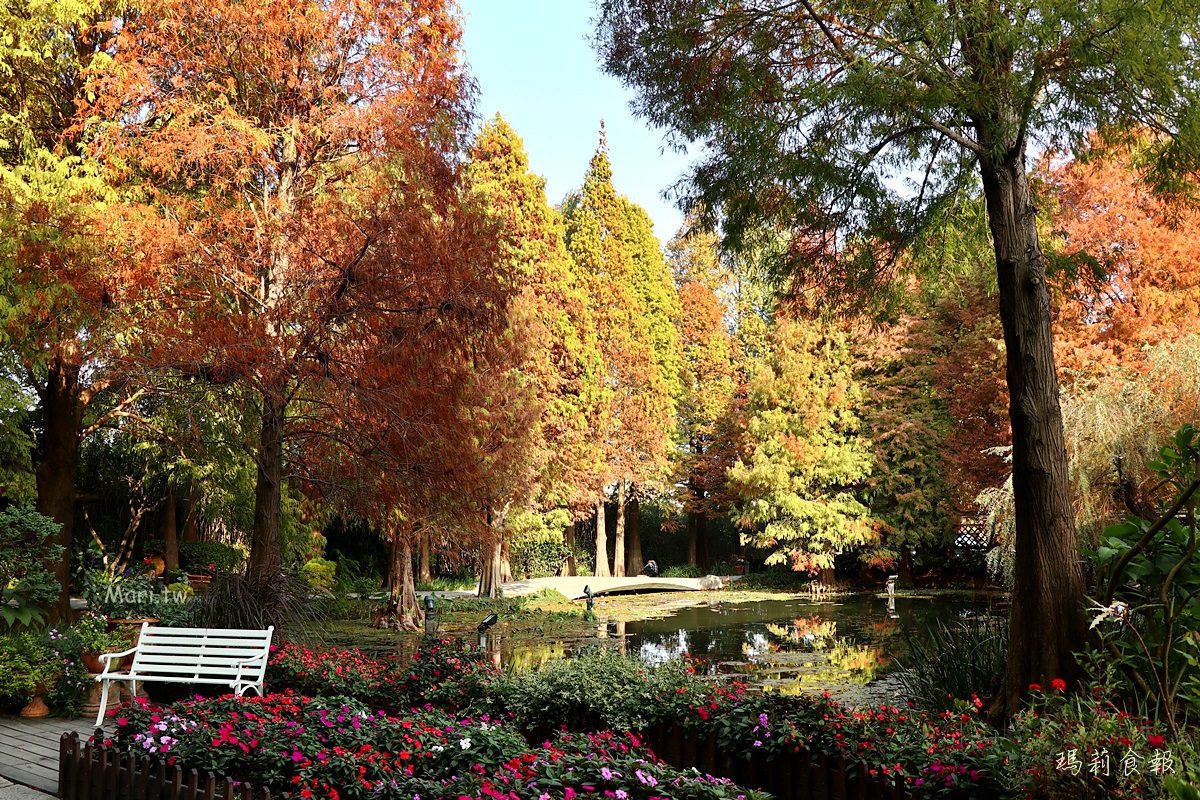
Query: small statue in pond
point(651, 569)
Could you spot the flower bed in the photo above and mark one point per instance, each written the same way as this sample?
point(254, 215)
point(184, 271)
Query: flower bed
point(444, 673)
point(933, 754)
point(303, 747)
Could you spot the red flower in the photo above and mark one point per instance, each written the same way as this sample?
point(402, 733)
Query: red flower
point(1156, 741)
point(1035, 687)
point(1058, 684)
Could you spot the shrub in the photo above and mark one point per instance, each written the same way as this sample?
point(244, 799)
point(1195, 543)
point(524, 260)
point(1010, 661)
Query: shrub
point(1149, 582)
point(682, 571)
point(320, 574)
point(209, 557)
point(598, 690)
point(27, 587)
point(134, 597)
point(954, 661)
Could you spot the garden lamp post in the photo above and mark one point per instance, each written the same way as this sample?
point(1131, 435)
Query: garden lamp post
point(430, 617)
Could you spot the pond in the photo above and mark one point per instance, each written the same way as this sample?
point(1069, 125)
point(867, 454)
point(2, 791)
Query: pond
point(789, 645)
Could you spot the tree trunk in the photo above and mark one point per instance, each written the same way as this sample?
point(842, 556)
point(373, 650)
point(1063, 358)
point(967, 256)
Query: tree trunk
point(506, 573)
point(619, 533)
point(569, 566)
point(409, 615)
point(63, 406)
point(391, 583)
point(602, 570)
point(905, 570)
point(168, 531)
point(1047, 623)
point(633, 548)
point(426, 558)
point(697, 526)
point(191, 523)
point(489, 572)
point(490, 554)
point(266, 556)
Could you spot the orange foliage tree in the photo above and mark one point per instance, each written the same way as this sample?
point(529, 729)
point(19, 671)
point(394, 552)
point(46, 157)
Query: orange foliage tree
point(298, 178)
point(1131, 276)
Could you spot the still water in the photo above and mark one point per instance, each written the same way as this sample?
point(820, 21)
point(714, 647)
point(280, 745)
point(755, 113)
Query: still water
point(786, 645)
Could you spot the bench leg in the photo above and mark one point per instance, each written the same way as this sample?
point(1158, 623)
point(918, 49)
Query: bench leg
point(103, 702)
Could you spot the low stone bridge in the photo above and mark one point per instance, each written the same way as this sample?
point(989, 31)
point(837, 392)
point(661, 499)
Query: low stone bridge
point(572, 587)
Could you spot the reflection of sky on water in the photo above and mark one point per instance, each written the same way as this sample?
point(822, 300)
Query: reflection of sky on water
point(788, 642)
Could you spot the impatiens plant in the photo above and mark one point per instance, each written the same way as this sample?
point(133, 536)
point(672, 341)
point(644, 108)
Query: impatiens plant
point(304, 748)
point(444, 673)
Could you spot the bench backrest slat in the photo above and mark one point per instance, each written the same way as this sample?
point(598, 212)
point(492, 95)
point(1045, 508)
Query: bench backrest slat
point(201, 653)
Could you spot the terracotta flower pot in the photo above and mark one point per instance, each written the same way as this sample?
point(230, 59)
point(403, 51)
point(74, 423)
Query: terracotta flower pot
point(92, 661)
point(37, 707)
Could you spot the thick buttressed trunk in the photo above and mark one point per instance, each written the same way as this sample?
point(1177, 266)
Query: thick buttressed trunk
point(489, 571)
point(602, 570)
point(407, 610)
point(62, 404)
point(633, 536)
point(168, 531)
point(266, 552)
point(619, 533)
point(491, 555)
point(425, 559)
point(506, 573)
point(1047, 623)
point(569, 567)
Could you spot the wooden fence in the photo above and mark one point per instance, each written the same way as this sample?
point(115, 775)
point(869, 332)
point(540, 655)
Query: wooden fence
point(799, 776)
point(88, 771)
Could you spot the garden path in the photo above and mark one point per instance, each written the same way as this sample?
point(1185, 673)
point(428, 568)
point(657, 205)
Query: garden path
point(29, 749)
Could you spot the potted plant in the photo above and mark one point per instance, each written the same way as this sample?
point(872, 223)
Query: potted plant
point(92, 638)
point(156, 565)
point(27, 672)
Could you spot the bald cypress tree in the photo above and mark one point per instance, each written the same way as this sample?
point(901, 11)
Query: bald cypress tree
point(635, 434)
point(563, 358)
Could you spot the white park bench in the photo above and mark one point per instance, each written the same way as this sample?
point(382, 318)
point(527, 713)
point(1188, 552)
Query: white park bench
point(216, 656)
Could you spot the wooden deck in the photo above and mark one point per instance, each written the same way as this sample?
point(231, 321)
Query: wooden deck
point(29, 749)
point(572, 587)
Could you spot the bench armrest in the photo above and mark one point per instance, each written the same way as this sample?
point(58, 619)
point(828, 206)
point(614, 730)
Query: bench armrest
point(107, 658)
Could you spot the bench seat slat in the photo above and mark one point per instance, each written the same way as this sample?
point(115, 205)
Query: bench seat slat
point(170, 679)
point(190, 669)
point(228, 664)
point(211, 650)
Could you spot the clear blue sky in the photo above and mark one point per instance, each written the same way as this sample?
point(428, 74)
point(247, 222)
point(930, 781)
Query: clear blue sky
point(535, 66)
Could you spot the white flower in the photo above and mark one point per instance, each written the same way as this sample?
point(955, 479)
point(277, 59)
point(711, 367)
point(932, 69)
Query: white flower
point(465, 744)
point(1118, 611)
